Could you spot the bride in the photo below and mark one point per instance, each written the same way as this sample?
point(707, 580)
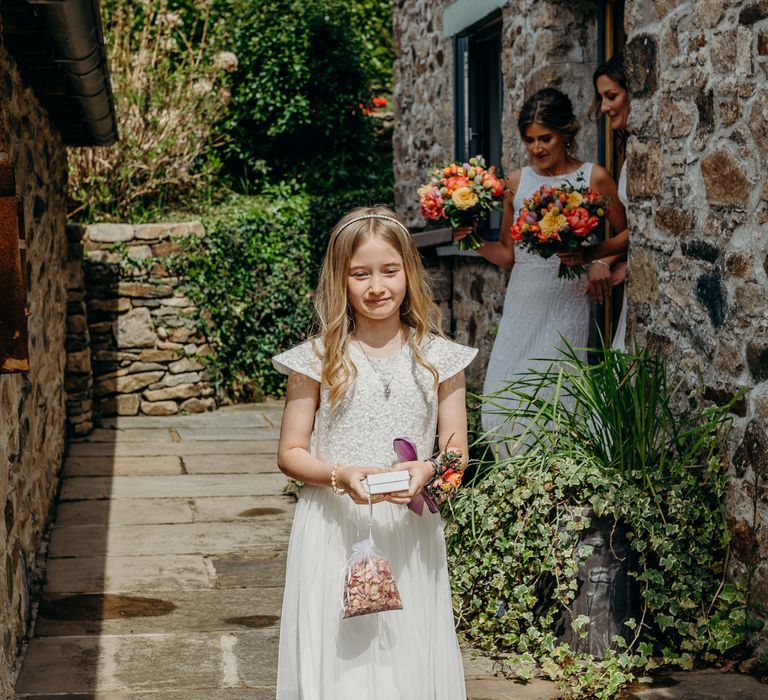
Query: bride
point(539, 308)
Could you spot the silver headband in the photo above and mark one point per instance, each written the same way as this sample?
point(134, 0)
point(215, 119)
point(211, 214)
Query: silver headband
point(373, 216)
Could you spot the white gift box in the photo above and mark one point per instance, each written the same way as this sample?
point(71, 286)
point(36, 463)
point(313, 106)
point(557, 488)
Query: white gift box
point(388, 482)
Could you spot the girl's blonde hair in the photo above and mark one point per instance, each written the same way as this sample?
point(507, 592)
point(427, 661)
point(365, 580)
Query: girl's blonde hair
point(336, 316)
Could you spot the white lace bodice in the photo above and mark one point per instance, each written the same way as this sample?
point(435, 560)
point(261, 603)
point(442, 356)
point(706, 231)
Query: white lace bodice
point(360, 430)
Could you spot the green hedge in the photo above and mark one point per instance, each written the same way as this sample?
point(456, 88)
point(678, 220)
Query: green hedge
point(251, 276)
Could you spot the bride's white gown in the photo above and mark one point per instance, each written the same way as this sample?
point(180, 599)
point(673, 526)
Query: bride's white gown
point(539, 308)
point(408, 654)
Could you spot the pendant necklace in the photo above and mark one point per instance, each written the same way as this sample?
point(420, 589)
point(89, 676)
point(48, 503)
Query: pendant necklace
point(382, 378)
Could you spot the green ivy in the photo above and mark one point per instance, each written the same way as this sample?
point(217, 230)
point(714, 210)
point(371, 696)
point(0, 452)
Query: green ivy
point(620, 440)
point(251, 277)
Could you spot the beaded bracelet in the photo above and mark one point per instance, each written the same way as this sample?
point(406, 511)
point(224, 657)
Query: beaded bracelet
point(335, 488)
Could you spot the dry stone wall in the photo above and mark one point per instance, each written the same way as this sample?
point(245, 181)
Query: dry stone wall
point(32, 413)
point(698, 273)
point(146, 353)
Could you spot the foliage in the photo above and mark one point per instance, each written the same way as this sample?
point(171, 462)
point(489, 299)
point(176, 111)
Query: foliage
point(250, 275)
point(603, 437)
point(170, 89)
point(299, 95)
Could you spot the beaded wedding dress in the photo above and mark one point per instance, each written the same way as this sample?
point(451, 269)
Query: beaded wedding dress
point(538, 309)
point(408, 654)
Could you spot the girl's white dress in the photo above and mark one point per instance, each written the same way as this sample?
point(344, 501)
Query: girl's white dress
point(538, 309)
point(409, 654)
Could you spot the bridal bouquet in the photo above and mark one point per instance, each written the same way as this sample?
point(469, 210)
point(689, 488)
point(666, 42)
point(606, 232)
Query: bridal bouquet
point(463, 195)
point(558, 219)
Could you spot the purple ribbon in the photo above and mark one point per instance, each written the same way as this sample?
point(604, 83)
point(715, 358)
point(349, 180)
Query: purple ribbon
point(405, 449)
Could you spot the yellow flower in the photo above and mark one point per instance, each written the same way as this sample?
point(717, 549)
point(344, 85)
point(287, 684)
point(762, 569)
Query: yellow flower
point(551, 223)
point(464, 198)
point(574, 200)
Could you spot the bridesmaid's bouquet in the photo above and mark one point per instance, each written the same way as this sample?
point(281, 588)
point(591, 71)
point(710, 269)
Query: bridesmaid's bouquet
point(463, 194)
point(559, 219)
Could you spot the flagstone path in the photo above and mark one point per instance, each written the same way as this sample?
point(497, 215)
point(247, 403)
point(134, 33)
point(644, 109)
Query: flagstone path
point(165, 570)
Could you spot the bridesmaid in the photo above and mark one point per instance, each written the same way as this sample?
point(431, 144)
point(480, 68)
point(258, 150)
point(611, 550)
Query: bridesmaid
point(612, 100)
point(539, 308)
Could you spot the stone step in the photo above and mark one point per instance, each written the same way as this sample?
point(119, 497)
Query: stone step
point(116, 574)
point(151, 611)
point(155, 511)
point(122, 466)
point(150, 662)
point(180, 449)
point(186, 485)
point(187, 538)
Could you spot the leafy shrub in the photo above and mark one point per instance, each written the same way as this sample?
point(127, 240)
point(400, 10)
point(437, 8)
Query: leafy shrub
point(250, 275)
point(299, 94)
point(602, 437)
point(170, 86)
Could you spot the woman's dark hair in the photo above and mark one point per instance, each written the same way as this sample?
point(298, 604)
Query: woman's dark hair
point(614, 69)
point(553, 109)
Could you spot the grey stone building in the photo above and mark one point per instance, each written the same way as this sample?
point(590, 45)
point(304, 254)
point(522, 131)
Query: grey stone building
point(696, 158)
point(54, 92)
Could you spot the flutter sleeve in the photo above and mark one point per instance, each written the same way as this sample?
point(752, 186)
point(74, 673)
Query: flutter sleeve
point(303, 359)
point(449, 358)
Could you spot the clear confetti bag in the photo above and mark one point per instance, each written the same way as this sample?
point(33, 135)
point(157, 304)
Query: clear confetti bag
point(369, 586)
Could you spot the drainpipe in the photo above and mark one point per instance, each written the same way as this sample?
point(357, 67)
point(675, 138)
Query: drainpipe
point(77, 46)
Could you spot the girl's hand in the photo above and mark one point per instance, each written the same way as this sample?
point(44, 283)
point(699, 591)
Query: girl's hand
point(421, 474)
point(352, 480)
point(599, 281)
point(572, 258)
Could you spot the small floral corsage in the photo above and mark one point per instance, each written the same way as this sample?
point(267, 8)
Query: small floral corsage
point(449, 470)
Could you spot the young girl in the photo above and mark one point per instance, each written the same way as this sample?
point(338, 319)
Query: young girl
point(378, 369)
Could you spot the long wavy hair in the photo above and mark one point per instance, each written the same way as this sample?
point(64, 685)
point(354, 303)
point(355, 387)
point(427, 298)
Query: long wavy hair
point(335, 316)
point(553, 109)
point(614, 69)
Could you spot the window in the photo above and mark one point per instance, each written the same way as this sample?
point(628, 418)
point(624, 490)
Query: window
point(478, 100)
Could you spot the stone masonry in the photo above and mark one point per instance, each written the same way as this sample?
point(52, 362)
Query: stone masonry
point(698, 275)
point(144, 350)
point(32, 415)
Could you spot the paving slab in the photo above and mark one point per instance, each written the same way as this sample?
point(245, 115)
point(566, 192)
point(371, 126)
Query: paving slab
point(125, 511)
point(254, 419)
point(149, 662)
point(231, 464)
point(151, 611)
point(122, 466)
point(112, 574)
point(227, 433)
point(170, 538)
point(701, 685)
point(503, 689)
point(267, 693)
point(192, 485)
point(249, 569)
point(257, 509)
point(181, 449)
point(156, 434)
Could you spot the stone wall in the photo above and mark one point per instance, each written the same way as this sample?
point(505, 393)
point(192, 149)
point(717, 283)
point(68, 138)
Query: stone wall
point(146, 353)
point(698, 273)
point(544, 43)
point(78, 381)
point(32, 415)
